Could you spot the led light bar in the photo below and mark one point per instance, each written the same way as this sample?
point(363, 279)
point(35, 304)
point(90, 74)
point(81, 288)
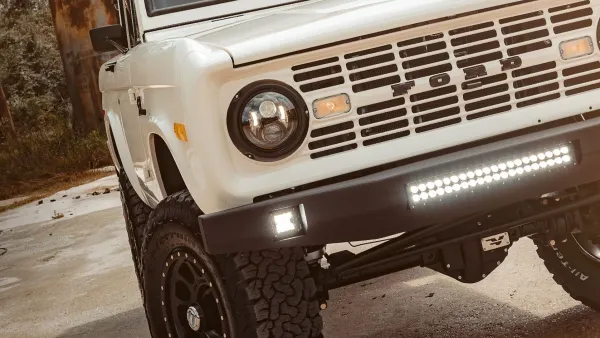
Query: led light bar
point(469, 180)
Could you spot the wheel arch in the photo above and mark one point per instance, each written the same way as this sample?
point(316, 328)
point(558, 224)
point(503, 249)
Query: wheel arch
point(117, 145)
point(167, 171)
point(172, 160)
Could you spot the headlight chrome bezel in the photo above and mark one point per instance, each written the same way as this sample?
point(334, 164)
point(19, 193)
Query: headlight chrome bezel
point(236, 111)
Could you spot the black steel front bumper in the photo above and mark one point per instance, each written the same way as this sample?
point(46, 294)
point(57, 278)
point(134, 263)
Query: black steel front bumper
point(378, 205)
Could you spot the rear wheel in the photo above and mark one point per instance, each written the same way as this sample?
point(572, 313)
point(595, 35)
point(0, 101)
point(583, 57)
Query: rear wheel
point(136, 213)
point(189, 293)
point(575, 265)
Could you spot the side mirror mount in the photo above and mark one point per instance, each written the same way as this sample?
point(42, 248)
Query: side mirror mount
point(108, 39)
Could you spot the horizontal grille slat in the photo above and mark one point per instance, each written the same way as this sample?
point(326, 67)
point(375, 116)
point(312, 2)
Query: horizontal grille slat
point(573, 26)
point(425, 61)
point(333, 151)
point(315, 63)
point(463, 40)
point(487, 102)
point(331, 141)
point(485, 92)
point(537, 90)
point(484, 81)
point(437, 115)
point(581, 69)
point(322, 84)
point(462, 74)
point(381, 106)
point(415, 41)
point(382, 117)
point(571, 15)
point(535, 79)
point(368, 52)
point(432, 93)
point(376, 84)
point(479, 59)
point(521, 17)
point(434, 104)
point(370, 61)
point(523, 26)
point(318, 73)
point(386, 138)
point(582, 89)
point(476, 48)
point(373, 72)
point(468, 29)
point(582, 79)
point(438, 125)
point(332, 129)
point(534, 69)
point(529, 48)
point(417, 74)
point(538, 100)
point(406, 53)
point(370, 131)
point(568, 6)
point(490, 112)
point(526, 37)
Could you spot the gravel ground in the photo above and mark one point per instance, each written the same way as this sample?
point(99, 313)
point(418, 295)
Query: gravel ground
point(73, 278)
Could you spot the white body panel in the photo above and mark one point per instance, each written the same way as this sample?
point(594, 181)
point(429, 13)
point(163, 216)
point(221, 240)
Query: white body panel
point(188, 75)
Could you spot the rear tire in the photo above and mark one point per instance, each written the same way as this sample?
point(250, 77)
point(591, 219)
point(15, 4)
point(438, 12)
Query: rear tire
point(266, 294)
point(572, 268)
point(136, 214)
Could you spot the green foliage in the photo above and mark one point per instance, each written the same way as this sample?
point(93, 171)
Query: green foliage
point(31, 70)
point(32, 75)
point(43, 154)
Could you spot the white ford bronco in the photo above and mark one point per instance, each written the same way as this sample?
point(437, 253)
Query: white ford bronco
point(251, 134)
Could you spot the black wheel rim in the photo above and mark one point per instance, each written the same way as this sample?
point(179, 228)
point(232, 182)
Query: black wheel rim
point(590, 245)
point(188, 287)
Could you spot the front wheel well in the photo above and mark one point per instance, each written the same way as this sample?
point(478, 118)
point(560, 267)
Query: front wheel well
point(168, 172)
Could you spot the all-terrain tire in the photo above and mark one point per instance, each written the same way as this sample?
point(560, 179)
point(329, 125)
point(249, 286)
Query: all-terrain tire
point(573, 269)
point(266, 294)
point(136, 214)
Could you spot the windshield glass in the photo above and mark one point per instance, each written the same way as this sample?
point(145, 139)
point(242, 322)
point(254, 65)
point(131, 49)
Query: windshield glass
point(158, 5)
point(163, 13)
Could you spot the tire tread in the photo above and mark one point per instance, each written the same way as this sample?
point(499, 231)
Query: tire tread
point(272, 292)
point(558, 272)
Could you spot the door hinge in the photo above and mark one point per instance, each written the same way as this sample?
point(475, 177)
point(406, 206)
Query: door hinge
point(136, 96)
point(141, 111)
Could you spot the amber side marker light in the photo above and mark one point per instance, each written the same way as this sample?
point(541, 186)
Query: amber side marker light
point(576, 48)
point(331, 106)
point(180, 132)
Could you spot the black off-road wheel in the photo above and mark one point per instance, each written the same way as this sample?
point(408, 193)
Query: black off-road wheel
point(575, 265)
point(189, 293)
point(136, 214)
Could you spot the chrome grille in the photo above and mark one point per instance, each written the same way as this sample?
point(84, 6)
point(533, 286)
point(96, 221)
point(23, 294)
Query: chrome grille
point(457, 51)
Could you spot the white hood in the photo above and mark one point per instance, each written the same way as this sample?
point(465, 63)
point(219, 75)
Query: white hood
point(262, 35)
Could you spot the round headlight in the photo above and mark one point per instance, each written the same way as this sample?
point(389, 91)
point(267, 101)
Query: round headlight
point(267, 121)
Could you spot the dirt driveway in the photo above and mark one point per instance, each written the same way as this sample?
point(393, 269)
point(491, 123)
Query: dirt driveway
point(73, 278)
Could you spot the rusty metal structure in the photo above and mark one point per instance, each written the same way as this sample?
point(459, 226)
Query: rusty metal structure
point(73, 20)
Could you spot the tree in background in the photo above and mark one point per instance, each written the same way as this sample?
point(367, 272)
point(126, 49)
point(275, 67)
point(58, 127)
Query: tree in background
point(33, 79)
point(30, 66)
